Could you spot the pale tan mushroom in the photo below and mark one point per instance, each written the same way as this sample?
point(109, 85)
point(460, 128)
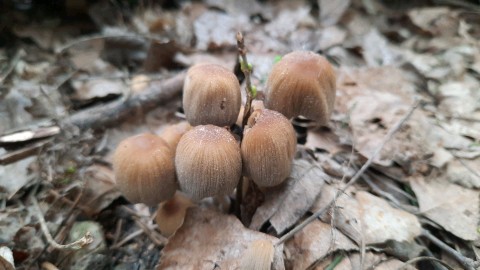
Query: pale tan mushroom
point(208, 162)
point(211, 95)
point(268, 147)
point(144, 169)
point(302, 83)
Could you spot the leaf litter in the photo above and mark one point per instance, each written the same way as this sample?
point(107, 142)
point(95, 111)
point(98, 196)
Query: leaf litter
point(387, 55)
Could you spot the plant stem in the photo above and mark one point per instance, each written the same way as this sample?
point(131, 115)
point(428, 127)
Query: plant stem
point(247, 71)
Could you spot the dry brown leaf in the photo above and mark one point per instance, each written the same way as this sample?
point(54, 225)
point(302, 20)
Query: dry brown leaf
point(332, 11)
point(367, 217)
point(209, 240)
point(375, 99)
point(6, 259)
point(286, 204)
point(214, 29)
point(439, 21)
point(454, 208)
point(98, 88)
point(346, 216)
point(100, 190)
point(377, 51)
point(381, 222)
point(324, 140)
point(14, 176)
point(313, 243)
point(464, 172)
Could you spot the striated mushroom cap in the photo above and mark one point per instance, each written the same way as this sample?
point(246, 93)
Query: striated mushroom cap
point(302, 83)
point(208, 162)
point(211, 95)
point(268, 148)
point(144, 169)
point(173, 133)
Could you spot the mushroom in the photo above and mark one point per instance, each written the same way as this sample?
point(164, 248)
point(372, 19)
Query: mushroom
point(208, 162)
point(211, 95)
point(172, 134)
point(268, 148)
point(144, 169)
point(170, 214)
point(302, 83)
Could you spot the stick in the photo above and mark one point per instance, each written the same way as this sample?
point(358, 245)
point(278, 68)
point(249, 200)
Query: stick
point(467, 263)
point(424, 258)
point(105, 115)
point(357, 176)
point(80, 243)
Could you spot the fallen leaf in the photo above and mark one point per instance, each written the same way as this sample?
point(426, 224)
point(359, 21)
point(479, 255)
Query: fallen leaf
point(375, 99)
point(286, 204)
point(88, 90)
point(371, 261)
point(6, 259)
point(377, 51)
point(209, 240)
point(100, 190)
point(332, 11)
point(313, 243)
point(214, 30)
point(381, 222)
point(438, 21)
point(464, 172)
point(454, 208)
point(14, 176)
point(346, 214)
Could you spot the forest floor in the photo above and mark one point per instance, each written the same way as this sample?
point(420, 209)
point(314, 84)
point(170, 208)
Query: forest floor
point(393, 181)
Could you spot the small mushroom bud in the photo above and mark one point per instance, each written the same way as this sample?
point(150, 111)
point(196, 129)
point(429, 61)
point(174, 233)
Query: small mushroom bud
point(173, 133)
point(170, 214)
point(268, 147)
point(144, 169)
point(208, 162)
point(211, 95)
point(258, 256)
point(302, 83)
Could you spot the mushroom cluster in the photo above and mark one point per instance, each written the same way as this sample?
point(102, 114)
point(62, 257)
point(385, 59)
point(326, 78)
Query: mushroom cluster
point(202, 158)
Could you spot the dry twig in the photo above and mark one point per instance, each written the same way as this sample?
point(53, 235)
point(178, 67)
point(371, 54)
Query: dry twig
point(106, 115)
point(80, 243)
point(357, 176)
point(467, 263)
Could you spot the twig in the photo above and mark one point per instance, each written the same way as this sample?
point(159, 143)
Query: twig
point(247, 71)
point(103, 36)
point(108, 114)
point(424, 258)
point(133, 235)
point(357, 176)
point(467, 263)
point(80, 243)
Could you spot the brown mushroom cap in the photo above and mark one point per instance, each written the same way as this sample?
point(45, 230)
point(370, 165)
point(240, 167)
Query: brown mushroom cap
point(302, 83)
point(170, 214)
point(208, 162)
point(211, 95)
point(173, 133)
point(268, 148)
point(144, 169)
